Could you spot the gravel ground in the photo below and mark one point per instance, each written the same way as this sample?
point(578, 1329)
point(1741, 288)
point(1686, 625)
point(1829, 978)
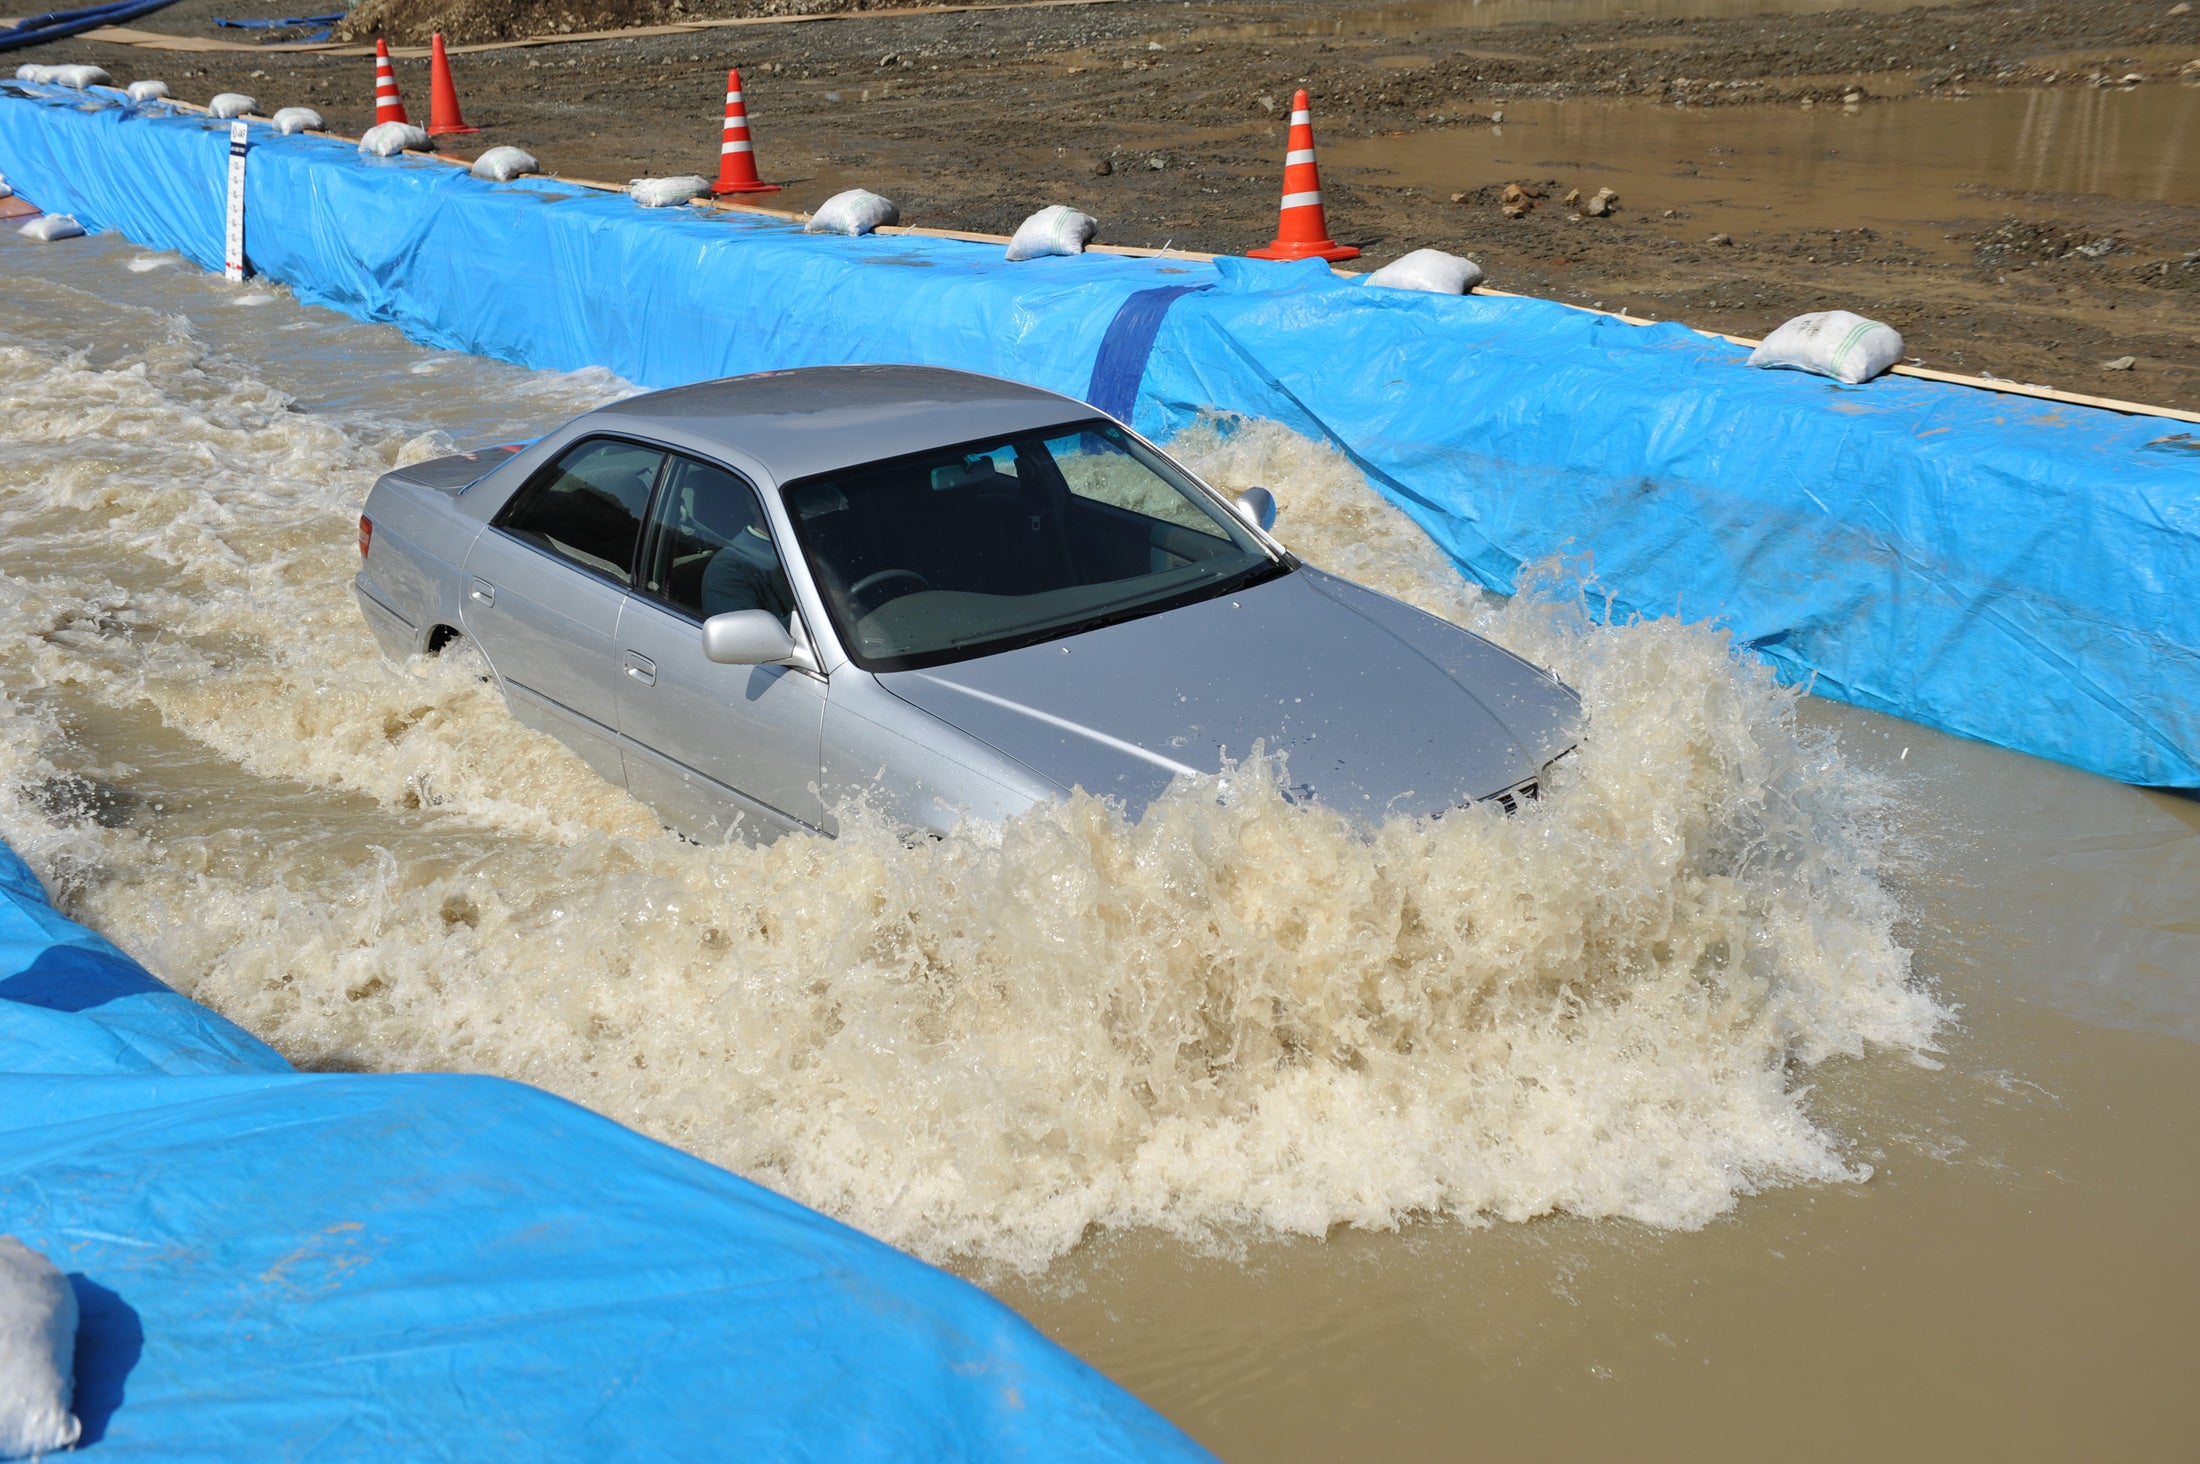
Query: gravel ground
point(972, 120)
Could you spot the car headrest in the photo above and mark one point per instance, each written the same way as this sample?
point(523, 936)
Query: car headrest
point(724, 514)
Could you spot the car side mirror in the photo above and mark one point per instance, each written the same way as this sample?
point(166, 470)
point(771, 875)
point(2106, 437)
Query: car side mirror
point(746, 638)
point(1257, 506)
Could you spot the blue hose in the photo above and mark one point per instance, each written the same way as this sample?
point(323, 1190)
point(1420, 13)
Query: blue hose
point(325, 22)
point(283, 24)
point(57, 24)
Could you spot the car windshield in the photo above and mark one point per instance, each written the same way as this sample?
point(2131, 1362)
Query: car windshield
point(964, 551)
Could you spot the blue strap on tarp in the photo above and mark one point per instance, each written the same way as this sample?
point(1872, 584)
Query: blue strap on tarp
point(1996, 566)
point(1120, 364)
point(272, 1264)
point(57, 25)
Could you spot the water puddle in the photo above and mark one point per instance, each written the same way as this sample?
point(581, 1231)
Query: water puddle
point(1906, 167)
point(1416, 17)
point(1630, 1117)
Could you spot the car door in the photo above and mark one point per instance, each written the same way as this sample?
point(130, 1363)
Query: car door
point(544, 588)
point(718, 751)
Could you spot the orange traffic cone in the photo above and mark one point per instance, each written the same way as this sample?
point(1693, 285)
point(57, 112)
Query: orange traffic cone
point(388, 105)
point(1303, 231)
point(736, 155)
point(443, 118)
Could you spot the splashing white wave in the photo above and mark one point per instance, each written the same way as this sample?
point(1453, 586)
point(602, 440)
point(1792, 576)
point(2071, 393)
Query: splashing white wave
point(1235, 1015)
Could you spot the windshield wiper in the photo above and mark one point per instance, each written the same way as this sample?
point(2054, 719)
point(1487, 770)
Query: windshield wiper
point(1132, 607)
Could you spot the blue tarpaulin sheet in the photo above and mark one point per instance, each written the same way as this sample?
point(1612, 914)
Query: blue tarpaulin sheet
point(2005, 568)
point(284, 1265)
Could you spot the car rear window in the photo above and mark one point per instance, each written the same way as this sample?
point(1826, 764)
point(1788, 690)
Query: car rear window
point(587, 507)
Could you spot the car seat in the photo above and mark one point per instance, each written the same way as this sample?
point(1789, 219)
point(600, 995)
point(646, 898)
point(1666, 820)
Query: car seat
point(707, 513)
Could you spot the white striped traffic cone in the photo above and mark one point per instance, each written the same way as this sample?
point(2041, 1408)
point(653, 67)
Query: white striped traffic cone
point(736, 154)
point(388, 105)
point(1303, 230)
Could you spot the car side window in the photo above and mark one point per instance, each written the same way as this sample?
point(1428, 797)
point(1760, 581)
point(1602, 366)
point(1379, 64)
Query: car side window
point(710, 549)
point(588, 507)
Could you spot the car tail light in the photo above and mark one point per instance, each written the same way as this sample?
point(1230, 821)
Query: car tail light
point(366, 535)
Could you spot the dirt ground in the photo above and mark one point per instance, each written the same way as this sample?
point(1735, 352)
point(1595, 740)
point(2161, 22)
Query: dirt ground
point(973, 120)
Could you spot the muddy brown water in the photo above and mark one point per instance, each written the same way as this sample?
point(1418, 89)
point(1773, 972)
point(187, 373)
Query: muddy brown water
point(1801, 1192)
point(1416, 16)
point(1906, 166)
point(2015, 1281)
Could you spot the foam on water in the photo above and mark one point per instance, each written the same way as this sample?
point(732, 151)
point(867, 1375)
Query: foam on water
point(1235, 1015)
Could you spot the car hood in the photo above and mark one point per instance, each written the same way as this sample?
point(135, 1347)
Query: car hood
point(1378, 708)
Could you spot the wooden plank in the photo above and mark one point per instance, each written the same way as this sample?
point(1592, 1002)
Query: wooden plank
point(2046, 393)
point(734, 20)
point(1922, 373)
point(122, 35)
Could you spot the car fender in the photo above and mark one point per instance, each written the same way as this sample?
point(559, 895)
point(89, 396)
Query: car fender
point(412, 574)
point(913, 768)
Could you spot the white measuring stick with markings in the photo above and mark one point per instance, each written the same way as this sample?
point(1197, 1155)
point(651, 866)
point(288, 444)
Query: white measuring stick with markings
point(234, 269)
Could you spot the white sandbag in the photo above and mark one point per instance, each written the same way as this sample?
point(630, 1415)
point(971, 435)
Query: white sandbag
point(79, 77)
point(665, 192)
point(37, 1354)
point(46, 228)
point(148, 90)
point(1431, 270)
point(503, 164)
point(388, 139)
point(6, 191)
point(858, 211)
point(32, 71)
point(232, 104)
point(1836, 343)
point(292, 120)
point(1058, 229)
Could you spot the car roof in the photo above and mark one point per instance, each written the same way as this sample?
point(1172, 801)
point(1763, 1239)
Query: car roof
point(820, 418)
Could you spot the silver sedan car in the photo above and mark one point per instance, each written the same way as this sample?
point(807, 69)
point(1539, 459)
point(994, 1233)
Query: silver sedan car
point(752, 600)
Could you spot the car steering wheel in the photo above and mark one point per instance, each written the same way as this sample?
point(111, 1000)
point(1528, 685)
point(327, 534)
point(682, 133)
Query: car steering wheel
point(888, 576)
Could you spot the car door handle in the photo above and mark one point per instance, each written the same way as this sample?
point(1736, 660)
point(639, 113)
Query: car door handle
point(484, 592)
point(641, 668)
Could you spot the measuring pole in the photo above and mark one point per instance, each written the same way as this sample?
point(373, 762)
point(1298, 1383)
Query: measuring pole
point(237, 147)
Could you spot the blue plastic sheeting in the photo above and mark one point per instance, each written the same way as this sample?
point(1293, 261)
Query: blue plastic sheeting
point(555, 275)
point(2004, 568)
point(70, 1003)
point(285, 1265)
point(2011, 569)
